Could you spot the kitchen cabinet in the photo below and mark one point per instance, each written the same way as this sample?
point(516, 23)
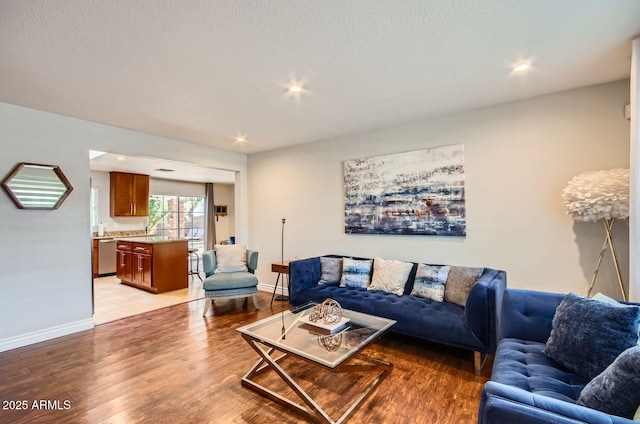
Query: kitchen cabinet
point(129, 194)
point(125, 260)
point(153, 264)
point(95, 262)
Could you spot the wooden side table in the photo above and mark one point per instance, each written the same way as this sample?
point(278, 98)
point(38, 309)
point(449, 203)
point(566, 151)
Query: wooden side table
point(282, 268)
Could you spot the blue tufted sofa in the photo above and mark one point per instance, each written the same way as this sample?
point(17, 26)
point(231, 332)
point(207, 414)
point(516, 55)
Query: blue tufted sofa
point(471, 327)
point(526, 386)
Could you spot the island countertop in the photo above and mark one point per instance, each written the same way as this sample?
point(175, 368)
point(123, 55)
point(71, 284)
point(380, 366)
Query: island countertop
point(150, 239)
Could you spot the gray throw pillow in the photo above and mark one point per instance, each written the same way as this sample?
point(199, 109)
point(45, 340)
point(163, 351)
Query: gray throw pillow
point(617, 390)
point(330, 270)
point(588, 335)
point(459, 283)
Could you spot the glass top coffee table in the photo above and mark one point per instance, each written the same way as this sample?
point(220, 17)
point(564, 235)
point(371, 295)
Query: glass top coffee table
point(289, 335)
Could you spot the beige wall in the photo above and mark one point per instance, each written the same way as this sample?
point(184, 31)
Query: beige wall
point(518, 158)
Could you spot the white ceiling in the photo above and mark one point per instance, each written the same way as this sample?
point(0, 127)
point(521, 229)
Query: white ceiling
point(160, 168)
point(207, 71)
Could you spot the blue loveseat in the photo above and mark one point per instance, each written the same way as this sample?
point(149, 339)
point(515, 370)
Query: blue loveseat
point(526, 386)
point(470, 327)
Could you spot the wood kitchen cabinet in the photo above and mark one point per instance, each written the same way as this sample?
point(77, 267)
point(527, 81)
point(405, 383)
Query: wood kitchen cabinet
point(124, 261)
point(129, 194)
point(155, 266)
point(95, 262)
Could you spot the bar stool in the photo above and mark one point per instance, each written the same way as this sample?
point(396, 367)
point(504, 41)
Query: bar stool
point(194, 252)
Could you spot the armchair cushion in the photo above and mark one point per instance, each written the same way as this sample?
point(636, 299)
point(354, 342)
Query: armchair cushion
point(229, 280)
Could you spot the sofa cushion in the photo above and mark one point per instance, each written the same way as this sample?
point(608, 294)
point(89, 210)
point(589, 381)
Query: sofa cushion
point(230, 258)
point(234, 280)
point(441, 322)
point(430, 282)
point(390, 275)
point(616, 390)
point(330, 270)
point(587, 335)
point(521, 363)
point(356, 273)
point(459, 283)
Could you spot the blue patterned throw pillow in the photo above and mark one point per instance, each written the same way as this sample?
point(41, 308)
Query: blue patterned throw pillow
point(617, 390)
point(356, 273)
point(430, 282)
point(587, 335)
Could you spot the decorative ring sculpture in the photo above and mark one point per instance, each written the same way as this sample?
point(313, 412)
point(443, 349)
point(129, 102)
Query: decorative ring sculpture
point(330, 343)
point(328, 312)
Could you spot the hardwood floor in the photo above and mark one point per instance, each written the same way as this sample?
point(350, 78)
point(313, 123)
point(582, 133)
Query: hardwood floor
point(174, 366)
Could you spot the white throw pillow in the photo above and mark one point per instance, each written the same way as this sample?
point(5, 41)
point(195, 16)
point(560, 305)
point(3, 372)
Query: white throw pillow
point(230, 258)
point(390, 275)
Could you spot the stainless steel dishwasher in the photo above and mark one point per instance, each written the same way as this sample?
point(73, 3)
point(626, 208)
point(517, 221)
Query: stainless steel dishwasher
point(106, 257)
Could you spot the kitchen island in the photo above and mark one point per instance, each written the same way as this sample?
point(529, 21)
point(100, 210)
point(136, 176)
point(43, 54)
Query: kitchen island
point(154, 264)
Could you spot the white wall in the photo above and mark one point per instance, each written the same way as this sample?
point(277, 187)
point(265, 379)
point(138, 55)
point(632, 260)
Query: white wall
point(518, 158)
point(45, 256)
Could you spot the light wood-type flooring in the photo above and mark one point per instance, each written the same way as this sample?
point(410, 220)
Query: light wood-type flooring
point(114, 300)
point(174, 366)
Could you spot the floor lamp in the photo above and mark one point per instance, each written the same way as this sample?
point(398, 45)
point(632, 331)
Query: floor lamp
point(600, 196)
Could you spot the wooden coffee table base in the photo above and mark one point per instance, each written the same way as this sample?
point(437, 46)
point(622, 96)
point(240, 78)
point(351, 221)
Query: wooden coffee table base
point(312, 411)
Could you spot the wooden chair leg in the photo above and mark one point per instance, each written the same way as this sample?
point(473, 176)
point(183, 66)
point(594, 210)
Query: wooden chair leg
point(207, 303)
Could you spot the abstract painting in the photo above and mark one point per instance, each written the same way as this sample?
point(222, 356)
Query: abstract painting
point(418, 193)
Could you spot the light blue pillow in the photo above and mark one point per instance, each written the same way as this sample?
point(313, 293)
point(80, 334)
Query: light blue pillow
point(430, 282)
point(616, 390)
point(356, 273)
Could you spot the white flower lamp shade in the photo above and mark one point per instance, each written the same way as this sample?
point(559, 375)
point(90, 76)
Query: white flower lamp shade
point(600, 195)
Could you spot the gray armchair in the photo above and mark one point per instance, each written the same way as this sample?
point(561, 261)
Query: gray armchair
point(229, 285)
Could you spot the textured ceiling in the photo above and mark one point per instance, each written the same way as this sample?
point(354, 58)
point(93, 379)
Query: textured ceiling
point(205, 71)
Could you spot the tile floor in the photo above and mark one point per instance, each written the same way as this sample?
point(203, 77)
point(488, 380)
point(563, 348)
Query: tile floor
point(115, 301)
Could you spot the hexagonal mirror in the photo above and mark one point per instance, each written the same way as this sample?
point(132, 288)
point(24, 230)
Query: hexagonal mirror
point(36, 186)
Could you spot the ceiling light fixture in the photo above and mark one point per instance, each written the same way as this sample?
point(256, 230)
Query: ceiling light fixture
point(240, 139)
point(520, 68)
point(121, 158)
point(295, 89)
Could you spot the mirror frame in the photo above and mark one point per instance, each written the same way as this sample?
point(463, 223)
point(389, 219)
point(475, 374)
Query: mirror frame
point(55, 168)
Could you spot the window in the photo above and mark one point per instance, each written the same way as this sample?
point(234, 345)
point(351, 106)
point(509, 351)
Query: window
point(178, 217)
point(93, 207)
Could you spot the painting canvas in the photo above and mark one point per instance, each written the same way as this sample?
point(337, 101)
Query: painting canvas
point(418, 193)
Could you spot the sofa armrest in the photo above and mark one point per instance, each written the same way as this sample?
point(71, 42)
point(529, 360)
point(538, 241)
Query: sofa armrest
point(303, 273)
point(527, 314)
point(252, 260)
point(209, 262)
point(501, 403)
point(483, 307)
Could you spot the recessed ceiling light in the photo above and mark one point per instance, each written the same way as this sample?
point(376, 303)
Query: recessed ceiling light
point(521, 67)
point(241, 139)
point(295, 88)
point(121, 158)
